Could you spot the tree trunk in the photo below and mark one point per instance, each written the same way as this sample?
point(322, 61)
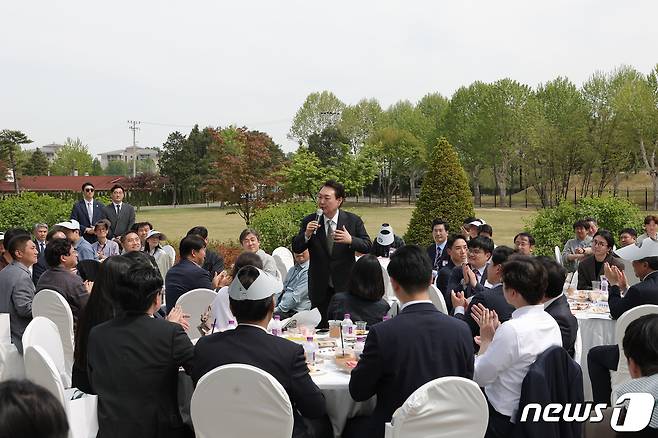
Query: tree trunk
point(175, 197)
point(501, 182)
point(476, 185)
point(12, 159)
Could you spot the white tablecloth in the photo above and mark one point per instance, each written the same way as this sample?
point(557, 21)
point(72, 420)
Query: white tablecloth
point(333, 383)
point(11, 363)
point(595, 329)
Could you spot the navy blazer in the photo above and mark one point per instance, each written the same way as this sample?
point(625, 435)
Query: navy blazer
point(336, 265)
point(443, 260)
point(79, 213)
point(282, 358)
point(553, 378)
point(456, 283)
point(561, 313)
point(183, 277)
point(402, 354)
point(644, 292)
point(492, 299)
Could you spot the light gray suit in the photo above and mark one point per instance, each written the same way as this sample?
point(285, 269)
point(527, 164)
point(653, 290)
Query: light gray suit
point(121, 224)
point(16, 294)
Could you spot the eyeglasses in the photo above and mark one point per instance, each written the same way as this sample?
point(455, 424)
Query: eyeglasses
point(475, 251)
point(89, 190)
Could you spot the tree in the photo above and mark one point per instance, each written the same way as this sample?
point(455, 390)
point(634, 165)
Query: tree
point(37, 164)
point(327, 146)
point(74, 155)
point(177, 162)
point(360, 121)
point(116, 167)
point(354, 171)
point(319, 111)
point(198, 142)
point(396, 152)
point(444, 194)
point(304, 174)
point(434, 106)
point(146, 166)
point(10, 146)
point(96, 168)
point(244, 173)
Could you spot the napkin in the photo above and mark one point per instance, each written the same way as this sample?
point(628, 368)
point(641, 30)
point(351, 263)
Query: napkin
point(308, 318)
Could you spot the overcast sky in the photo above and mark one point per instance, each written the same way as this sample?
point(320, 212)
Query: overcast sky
point(81, 69)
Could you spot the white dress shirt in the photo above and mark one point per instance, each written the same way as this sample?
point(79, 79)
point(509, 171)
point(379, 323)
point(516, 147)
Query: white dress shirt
point(515, 346)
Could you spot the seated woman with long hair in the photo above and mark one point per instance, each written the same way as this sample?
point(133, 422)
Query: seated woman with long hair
point(363, 299)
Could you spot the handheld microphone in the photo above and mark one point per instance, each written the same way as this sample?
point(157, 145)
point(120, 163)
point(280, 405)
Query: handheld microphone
point(319, 215)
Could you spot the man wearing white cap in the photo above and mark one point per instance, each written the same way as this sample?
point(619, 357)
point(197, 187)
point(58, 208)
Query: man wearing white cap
point(604, 358)
point(385, 241)
point(72, 230)
point(251, 297)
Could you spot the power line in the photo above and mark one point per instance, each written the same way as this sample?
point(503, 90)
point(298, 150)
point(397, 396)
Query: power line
point(132, 125)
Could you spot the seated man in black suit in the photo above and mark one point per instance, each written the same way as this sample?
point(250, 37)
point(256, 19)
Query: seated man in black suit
point(490, 294)
point(457, 250)
point(419, 345)
point(251, 297)
point(467, 277)
point(188, 274)
point(556, 304)
point(604, 358)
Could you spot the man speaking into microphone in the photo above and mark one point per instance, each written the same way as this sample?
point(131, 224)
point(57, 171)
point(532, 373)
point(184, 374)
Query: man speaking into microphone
point(331, 238)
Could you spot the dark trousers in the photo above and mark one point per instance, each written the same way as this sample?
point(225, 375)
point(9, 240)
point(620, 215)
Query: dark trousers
point(600, 361)
point(499, 425)
point(322, 303)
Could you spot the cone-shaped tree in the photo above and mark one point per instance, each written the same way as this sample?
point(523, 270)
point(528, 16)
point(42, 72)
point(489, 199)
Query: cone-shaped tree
point(444, 194)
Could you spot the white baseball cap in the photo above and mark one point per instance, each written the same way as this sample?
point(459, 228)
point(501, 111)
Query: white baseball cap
point(264, 286)
point(385, 236)
point(69, 225)
point(647, 248)
point(154, 233)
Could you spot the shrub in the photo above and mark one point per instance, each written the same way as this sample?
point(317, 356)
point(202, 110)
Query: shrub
point(554, 226)
point(28, 208)
point(279, 223)
point(444, 194)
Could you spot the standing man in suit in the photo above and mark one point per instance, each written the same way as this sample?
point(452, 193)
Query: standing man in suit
point(468, 277)
point(404, 353)
point(40, 233)
point(87, 212)
point(120, 214)
point(16, 286)
point(437, 251)
point(604, 358)
point(457, 249)
point(251, 297)
point(331, 241)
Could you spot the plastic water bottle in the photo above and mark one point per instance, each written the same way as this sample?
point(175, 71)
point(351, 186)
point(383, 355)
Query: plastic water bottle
point(309, 350)
point(231, 324)
point(604, 285)
point(276, 326)
point(347, 326)
point(360, 344)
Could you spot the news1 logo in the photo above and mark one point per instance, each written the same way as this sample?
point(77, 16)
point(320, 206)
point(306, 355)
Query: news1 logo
point(638, 412)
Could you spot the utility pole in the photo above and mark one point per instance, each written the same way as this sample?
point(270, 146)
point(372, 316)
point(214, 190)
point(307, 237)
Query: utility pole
point(132, 125)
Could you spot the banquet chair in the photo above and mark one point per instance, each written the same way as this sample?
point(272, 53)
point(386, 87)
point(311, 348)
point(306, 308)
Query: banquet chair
point(388, 287)
point(195, 303)
point(52, 305)
point(280, 266)
point(11, 361)
point(252, 404)
point(622, 375)
point(558, 255)
point(43, 332)
point(81, 412)
point(437, 299)
point(286, 256)
point(441, 408)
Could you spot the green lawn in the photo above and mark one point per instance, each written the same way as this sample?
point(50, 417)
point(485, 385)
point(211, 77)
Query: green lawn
point(175, 222)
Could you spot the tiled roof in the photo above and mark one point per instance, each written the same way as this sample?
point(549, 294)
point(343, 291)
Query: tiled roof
point(61, 183)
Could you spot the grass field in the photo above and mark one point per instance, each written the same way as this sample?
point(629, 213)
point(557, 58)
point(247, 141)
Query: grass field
point(223, 227)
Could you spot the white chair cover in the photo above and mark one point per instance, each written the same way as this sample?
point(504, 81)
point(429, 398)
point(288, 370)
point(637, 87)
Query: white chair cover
point(82, 413)
point(558, 255)
point(52, 305)
point(441, 408)
point(578, 347)
point(437, 299)
point(283, 255)
point(388, 287)
point(195, 303)
point(622, 374)
point(240, 401)
point(574, 280)
point(5, 329)
point(280, 266)
point(43, 332)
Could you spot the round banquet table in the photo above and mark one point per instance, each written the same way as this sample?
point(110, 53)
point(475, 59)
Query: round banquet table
point(333, 383)
point(595, 329)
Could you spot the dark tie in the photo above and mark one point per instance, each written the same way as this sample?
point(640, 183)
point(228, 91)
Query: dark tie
point(437, 257)
point(42, 247)
point(118, 209)
point(330, 235)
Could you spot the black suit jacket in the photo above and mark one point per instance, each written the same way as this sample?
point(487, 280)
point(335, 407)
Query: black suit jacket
point(492, 299)
point(132, 363)
point(336, 265)
point(644, 292)
point(79, 213)
point(213, 263)
point(587, 270)
point(443, 277)
point(561, 313)
point(183, 277)
point(39, 267)
point(282, 358)
point(456, 283)
point(121, 224)
point(359, 308)
point(406, 352)
point(443, 260)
